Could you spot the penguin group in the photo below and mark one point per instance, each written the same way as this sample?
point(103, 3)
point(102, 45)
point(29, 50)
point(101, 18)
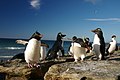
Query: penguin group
point(80, 47)
point(35, 50)
point(99, 46)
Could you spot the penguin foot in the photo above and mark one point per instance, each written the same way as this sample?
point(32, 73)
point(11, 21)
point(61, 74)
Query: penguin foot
point(30, 65)
point(76, 60)
point(37, 65)
point(33, 65)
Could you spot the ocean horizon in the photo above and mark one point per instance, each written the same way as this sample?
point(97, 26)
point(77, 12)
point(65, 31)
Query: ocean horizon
point(9, 47)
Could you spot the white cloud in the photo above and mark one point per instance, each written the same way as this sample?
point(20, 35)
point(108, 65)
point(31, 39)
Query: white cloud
point(35, 4)
point(92, 1)
point(104, 19)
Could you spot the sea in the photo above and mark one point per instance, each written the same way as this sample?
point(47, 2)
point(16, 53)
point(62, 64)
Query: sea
point(9, 47)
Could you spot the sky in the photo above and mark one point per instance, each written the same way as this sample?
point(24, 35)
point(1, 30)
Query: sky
point(21, 18)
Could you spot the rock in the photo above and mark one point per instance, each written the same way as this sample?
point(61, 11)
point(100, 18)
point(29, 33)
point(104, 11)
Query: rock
point(17, 70)
point(87, 70)
point(63, 69)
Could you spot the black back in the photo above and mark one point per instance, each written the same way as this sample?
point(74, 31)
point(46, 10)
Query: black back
point(81, 42)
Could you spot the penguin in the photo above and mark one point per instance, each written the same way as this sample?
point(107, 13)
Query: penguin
point(70, 51)
point(43, 50)
point(57, 46)
point(112, 46)
point(98, 44)
point(32, 51)
point(77, 49)
point(88, 45)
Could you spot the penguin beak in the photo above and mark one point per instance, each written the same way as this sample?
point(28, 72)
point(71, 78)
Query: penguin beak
point(63, 35)
point(41, 35)
point(94, 30)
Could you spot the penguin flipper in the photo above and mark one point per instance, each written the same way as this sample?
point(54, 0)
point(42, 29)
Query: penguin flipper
point(116, 47)
point(107, 47)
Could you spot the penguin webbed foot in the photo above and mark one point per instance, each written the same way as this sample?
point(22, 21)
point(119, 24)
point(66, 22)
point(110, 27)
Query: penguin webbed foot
point(33, 65)
point(37, 65)
point(30, 65)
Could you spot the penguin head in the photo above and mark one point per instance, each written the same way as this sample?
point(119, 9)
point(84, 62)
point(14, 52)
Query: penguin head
point(74, 38)
point(97, 31)
point(60, 36)
point(37, 36)
point(113, 36)
point(81, 42)
point(86, 39)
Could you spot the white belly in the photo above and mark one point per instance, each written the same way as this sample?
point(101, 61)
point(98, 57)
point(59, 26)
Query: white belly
point(112, 47)
point(32, 52)
point(71, 48)
point(77, 51)
point(96, 40)
point(96, 46)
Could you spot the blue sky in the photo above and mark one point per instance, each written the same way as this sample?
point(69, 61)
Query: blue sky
point(21, 18)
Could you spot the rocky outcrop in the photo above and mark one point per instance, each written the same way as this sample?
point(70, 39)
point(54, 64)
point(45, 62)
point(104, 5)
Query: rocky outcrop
point(88, 70)
point(17, 70)
point(63, 69)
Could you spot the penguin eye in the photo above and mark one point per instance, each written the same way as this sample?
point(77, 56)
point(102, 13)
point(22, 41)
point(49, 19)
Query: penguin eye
point(60, 34)
point(98, 29)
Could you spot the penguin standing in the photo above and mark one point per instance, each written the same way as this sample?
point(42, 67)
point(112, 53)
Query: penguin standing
point(56, 48)
point(99, 44)
point(32, 51)
point(70, 50)
point(112, 46)
point(43, 50)
point(77, 49)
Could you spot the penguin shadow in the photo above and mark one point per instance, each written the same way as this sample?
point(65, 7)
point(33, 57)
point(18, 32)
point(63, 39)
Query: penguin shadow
point(19, 56)
point(115, 57)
